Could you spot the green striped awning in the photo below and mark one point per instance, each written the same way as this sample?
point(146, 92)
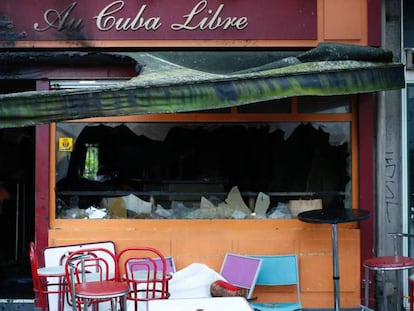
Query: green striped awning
point(166, 88)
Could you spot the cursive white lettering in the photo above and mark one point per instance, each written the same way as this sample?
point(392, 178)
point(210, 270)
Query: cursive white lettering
point(60, 20)
point(106, 19)
point(194, 21)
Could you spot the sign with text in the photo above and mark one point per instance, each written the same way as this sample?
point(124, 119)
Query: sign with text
point(79, 20)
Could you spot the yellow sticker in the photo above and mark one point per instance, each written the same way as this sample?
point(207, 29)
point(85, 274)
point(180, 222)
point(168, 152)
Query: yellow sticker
point(66, 144)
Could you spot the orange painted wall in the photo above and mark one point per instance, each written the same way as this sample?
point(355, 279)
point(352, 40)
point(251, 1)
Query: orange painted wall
point(207, 241)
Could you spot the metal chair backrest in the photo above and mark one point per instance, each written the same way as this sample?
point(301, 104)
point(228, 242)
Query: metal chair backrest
point(134, 265)
point(34, 264)
point(279, 270)
point(90, 265)
point(241, 271)
point(146, 271)
point(397, 236)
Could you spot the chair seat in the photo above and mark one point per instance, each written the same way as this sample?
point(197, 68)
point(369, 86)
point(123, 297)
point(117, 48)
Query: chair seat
point(101, 289)
point(51, 271)
point(271, 306)
point(389, 262)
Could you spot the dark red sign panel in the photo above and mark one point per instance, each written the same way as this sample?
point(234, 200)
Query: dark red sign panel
point(57, 20)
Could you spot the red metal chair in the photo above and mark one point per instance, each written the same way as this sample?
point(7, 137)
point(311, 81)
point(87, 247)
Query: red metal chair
point(93, 278)
point(383, 264)
point(47, 280)
point(145, 270)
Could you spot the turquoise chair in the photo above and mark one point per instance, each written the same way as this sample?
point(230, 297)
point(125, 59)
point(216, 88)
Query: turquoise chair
point(278, 270)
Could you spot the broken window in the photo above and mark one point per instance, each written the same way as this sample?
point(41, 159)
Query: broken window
point(232, 170)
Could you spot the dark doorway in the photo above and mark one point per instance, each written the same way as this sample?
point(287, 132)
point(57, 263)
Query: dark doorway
point(17, 208)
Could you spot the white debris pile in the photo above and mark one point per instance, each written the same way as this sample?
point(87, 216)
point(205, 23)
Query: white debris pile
point(233, 207)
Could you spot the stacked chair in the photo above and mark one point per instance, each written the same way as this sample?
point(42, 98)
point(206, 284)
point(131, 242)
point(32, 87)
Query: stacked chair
point(47, 280)
point(145, 270)
point(93, 278)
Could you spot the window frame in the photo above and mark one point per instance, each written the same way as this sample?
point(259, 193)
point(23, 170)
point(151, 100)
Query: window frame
point(233, 116)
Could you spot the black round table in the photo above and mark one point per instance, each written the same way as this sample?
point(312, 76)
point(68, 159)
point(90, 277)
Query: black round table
point(334, 217)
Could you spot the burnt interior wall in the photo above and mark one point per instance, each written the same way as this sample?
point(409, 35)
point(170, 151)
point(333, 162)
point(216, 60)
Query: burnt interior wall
point(17, 208)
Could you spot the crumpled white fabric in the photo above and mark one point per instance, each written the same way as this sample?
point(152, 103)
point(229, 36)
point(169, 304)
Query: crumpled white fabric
point(193, 281)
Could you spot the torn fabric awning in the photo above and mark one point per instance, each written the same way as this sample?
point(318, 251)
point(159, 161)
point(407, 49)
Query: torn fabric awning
point(163, 87)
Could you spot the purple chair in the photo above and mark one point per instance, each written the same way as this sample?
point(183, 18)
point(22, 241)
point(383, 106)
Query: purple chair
point(241, 271)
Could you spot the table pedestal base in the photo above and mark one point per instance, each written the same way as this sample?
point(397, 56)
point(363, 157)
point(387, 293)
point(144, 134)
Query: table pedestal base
point(334, 217)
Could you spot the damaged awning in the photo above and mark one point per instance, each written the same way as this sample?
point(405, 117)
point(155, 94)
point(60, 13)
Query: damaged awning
point(165, 87)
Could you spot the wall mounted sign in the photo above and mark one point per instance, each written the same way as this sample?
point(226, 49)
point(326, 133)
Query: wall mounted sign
point(80, 20)
point(66, 144)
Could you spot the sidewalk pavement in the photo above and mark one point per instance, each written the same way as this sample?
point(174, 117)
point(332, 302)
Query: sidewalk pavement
point(28, 306)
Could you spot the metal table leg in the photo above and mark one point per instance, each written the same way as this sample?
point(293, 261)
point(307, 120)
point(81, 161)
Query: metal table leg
point(335, 267)
point(366, 287)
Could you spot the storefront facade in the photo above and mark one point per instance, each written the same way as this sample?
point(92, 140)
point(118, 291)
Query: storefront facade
point(340, 121)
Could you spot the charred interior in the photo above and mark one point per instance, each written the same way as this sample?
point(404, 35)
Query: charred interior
point(172, 164)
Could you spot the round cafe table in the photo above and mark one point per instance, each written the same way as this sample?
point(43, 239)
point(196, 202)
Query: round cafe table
point(334, 216)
